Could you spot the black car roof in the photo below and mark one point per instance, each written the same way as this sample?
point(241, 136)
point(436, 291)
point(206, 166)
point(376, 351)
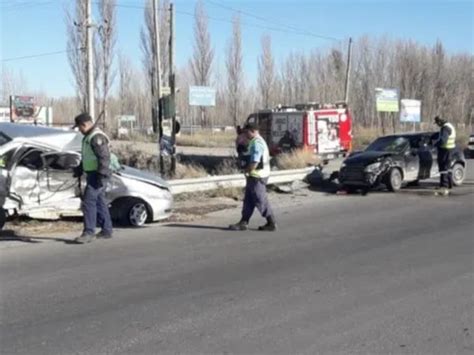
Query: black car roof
point(410, 134)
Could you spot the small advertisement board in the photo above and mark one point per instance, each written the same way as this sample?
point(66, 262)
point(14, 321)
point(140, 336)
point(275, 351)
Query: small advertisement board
point(202, 96)
point(386, 100)
point(410, 111)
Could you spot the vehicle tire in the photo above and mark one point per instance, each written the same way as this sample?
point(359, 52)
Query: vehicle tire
point(459, 174)
point(3, 218)
point(137, 213)
point(394, 180)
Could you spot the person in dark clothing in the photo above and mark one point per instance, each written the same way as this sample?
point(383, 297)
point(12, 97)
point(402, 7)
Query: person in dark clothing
point(287, 142)
point(96, 165)
point(445, 144)
point(241, 146)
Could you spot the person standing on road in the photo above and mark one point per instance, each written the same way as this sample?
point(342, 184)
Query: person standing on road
point(95, 164)
point(257, 173)
point(241, 146)
point(445, 144)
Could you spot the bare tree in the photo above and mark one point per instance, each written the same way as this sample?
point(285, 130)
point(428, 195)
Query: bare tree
point(125, 89)
point(266, 72)
point(203, 55)
point(235, 71)
point(13, 83)
point(107, 37)
point(76, 46)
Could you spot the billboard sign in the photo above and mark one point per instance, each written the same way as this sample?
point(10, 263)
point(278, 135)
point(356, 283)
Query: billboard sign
point(202, 96)
point(22, 108)
point(410, 110)
point(386, 100)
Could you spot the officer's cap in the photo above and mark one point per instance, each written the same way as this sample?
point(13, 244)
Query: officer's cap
point(82, 118)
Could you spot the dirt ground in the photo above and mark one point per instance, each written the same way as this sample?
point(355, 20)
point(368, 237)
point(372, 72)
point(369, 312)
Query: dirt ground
point(185, 210)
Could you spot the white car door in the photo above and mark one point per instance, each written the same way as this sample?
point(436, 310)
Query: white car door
point(25, 175)
point(59, 189)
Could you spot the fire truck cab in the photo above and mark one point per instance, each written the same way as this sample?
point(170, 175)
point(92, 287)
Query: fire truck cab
point(324, 129)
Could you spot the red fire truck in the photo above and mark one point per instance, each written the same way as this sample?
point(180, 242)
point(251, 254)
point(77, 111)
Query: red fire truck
point(323, 128)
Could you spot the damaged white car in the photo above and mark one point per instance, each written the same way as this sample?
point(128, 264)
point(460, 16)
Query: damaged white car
point(36, 179)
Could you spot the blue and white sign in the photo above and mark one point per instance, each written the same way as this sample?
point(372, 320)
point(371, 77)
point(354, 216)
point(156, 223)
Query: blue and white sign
point(410, 110)
point(202, 96)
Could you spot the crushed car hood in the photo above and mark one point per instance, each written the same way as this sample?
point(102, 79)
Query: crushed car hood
point(366, 157)
point(143, 176)
point(65, 140)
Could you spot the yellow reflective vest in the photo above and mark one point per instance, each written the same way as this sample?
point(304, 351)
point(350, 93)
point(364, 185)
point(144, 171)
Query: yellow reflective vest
point(451, 142)
point(263, 167)
point(90, 162)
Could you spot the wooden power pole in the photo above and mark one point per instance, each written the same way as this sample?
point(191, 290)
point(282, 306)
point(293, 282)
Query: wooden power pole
point(156, 111)
point(172, 84)
point(90, 61)
point(348, 72)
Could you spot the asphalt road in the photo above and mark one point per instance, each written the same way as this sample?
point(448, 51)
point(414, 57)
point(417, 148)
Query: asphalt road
point(377, 274)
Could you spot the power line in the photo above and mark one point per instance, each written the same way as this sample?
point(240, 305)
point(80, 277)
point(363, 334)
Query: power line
point(37, 55)
point(269, 28)
point(23, 5)
point(261, 18)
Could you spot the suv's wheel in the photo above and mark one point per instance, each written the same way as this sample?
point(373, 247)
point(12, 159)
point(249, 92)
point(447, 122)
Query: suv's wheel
point(459, 174)
point(3, 218)
point(394, 180)
point(137, 212)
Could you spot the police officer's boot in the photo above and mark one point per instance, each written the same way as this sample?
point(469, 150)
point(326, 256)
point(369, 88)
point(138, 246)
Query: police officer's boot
point(241, 226)
point(270, 226)
point(84, 238)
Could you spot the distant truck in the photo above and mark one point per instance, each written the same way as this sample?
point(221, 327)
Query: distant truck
point(325, 129)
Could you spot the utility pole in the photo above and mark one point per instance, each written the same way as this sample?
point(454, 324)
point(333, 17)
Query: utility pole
point(172, 84)
point(156, 99)
point(90, 61)
point(348, 72)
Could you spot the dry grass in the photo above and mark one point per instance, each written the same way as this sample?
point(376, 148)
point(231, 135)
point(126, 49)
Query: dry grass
point(297, 159)
point(189, 171)
point(227, 167)
point(206, 139)
point(362, 137)
point(129, 155)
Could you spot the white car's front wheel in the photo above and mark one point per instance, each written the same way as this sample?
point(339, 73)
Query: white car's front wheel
point(138, 213)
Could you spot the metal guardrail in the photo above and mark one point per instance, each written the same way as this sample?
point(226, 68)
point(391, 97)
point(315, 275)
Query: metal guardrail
point(238, 180)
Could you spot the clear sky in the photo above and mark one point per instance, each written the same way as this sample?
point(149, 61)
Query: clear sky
point(38, 26)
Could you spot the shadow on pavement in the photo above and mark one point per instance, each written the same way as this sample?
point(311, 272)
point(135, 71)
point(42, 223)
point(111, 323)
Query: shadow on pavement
point(12, 236)
point(195, 226)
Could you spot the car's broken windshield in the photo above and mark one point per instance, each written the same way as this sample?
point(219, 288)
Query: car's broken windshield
point(389, 144)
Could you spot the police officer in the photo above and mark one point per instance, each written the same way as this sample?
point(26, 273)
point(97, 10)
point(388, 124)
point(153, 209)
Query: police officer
point(257, 173)
point(95, 164)
point(445, 144)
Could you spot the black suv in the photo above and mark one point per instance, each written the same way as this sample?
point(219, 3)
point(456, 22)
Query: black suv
point(396, 160)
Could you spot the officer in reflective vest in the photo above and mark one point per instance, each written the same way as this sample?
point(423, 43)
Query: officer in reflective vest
point(95, 164)
point(445, 144)
point(257, 173)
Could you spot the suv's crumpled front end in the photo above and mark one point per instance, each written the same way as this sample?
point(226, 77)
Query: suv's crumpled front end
point(365, 169)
